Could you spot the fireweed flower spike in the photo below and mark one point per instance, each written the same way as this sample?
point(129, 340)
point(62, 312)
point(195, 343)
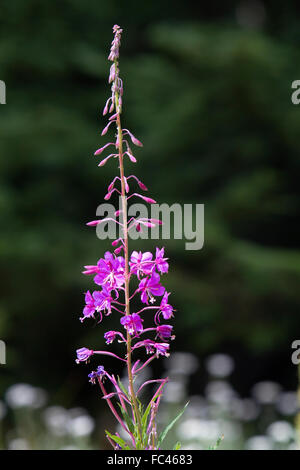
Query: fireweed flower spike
point(112, 274)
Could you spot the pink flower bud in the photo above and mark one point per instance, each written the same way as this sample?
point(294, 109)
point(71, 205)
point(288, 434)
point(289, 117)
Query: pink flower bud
point(148, 224)
point(112, 73)
point(93, 223)
point(102, 163)
point(114, 116)
point(142, 186)
point(103, 148)
point(134, 140)
point(157, 221)
point(105, 110)
point(147, 199)
point(111, 107)
point(126, 185)
point(132, 158)
point(90, 269)
point(105, 129)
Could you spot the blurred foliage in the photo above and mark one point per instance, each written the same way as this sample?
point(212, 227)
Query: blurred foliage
point(210, 99)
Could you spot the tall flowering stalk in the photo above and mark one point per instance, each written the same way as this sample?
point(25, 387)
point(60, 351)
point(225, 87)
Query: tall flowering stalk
point(113, 275)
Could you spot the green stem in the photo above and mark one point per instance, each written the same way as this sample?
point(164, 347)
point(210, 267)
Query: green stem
point(127, 277)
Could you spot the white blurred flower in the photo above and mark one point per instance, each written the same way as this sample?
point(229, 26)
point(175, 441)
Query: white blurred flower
point(25, 395)
point(220, 392)
point(202, 429)
point(281, 431)
point(141, 377)
point(287, 403)
point(18, 444)
point(182, 363)
point(266, 392)
point(56, 419)
point(231, 430)
point(197, 408)
point(192, 446)
point(174, 391)
point(219, 365)
point(259, 443)
point(75, 412)
point(123, 434)
point(245, 409)
point(163, 416)
point(82, 425)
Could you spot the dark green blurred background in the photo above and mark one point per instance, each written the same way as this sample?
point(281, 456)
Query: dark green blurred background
point(208, 91)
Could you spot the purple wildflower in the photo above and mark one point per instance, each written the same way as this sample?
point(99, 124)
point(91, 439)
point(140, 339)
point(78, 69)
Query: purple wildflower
point(153, 347)
point(110, 336)
point(161, 262)
point(114, 272)
point(141, 263)
point(165, 309)
point(83, 354)
point(162, 349)
point(165, 331)
point(95, 374)
point(147, 343)
point(89, 308)
point(103, 299)
point(132, 323)
point(110, 271)
point(150, 287)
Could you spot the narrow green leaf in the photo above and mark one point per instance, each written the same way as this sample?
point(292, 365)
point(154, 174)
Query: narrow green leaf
point(167, 429)
point(127, 419)
point(214, 447)
point(123, 389)
point(118, 440)
point(145, 416)
point(177, 446)
point(140, 406)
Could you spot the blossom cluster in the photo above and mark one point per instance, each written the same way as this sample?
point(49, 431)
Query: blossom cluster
point(109, 275)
